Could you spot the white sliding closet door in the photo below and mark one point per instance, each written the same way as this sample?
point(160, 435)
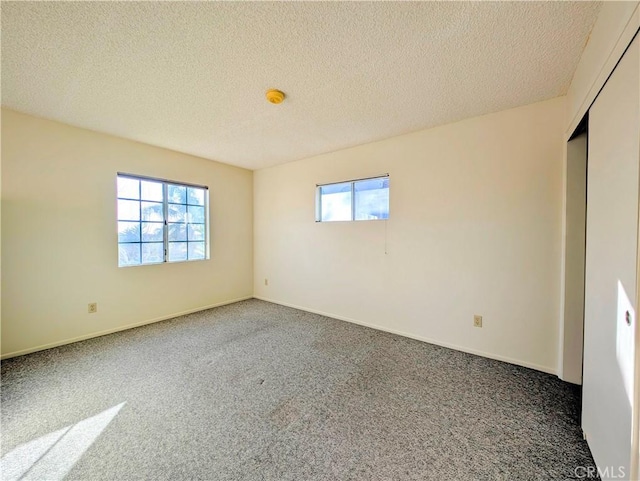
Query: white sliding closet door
point(611, 263)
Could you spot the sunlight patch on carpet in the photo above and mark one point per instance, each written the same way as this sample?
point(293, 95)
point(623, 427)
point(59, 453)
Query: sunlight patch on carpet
point(53, 455)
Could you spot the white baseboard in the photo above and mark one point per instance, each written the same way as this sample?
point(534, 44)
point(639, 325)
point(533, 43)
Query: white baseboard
point(489, 355)
point(117, 329)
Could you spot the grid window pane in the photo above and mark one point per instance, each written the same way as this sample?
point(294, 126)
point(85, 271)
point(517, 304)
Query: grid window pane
point(152, 231)
point(177, 213)
point(128, 188)
point(196, 214)
point(177, 232)
point(177, 194)
point(151, 190)
point(152, 211)
point(196, 232)
point(196, 250)
point(128, 254)
point(128, 231)
point(177, 251)
point(195, 196)
point(372, 199)
point(153, 222)
point(152, 252)
point(128, 210)
point(335, 202)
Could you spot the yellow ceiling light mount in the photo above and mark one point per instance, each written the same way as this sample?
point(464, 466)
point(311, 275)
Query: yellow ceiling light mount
point(275, 96)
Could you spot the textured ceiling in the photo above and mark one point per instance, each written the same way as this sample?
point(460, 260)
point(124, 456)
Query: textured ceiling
point(192, 76)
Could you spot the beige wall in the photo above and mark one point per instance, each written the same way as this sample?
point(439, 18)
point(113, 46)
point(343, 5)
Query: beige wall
point(60, 241)
point(475, 228)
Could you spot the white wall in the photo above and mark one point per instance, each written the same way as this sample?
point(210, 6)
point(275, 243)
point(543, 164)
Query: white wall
point(611, 265)
point(612, 32)
point(614, 29)
point(60, 240)
point(616, 25)
point(475, 228)
point(575, 202)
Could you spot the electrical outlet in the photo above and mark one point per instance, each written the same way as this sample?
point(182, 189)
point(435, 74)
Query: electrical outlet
point(477, 321)
point(266, 282)
point(93, 307)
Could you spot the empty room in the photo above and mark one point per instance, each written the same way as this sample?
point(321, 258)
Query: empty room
point(320, 240)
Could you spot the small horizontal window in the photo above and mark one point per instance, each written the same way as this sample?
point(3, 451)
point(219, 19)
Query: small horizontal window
point(161, 221)
point(365, 199)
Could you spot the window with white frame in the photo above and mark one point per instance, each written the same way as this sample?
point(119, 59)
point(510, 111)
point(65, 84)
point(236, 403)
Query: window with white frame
point(362, 199)
point(161, 221)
